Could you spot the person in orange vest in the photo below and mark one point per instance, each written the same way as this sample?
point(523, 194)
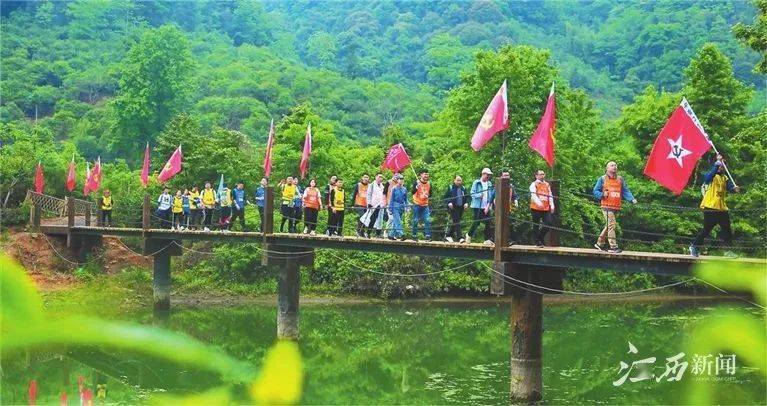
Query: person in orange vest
point(326, 195)
point(360, 202)
point(541, 207)
point(312, 206)
point(421, 194)
point(610, 190)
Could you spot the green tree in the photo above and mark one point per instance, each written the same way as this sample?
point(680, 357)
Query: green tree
point(155, 84)
point(755, 35)
point(321, 49)
point(717, 97)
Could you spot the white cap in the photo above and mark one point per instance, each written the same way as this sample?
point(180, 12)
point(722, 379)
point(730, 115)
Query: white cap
point(487, 171)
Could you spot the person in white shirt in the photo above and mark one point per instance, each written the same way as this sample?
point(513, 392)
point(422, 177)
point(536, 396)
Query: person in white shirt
point(164, 203)
point(541, 207)
point(376, 202)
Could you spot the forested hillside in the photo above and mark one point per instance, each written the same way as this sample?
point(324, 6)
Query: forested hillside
point(102, 78)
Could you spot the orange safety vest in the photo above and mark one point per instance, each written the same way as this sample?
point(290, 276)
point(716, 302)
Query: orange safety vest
point(421, 196)
point(611, 192)
point(543, 191)
point(362, 195)
point(312, 199)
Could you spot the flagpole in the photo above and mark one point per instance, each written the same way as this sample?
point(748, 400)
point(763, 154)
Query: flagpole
point(686, 106)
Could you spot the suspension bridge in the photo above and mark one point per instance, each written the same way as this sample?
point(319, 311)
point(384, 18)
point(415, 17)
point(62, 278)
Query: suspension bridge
point(522, 272)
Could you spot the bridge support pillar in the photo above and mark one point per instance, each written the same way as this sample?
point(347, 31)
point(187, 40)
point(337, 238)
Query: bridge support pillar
point(161, 281)
point(526, 331)
point(161, 251)
point(288, 260)
point(35, 213)
point(288, 283)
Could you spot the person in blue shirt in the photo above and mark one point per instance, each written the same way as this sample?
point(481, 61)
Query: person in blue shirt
point(298, 207)
point(260, 202)
point(397, 206)
point(482, 201)
point(239, 201)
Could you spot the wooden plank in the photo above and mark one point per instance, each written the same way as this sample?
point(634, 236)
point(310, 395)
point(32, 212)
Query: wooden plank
point(563, 258)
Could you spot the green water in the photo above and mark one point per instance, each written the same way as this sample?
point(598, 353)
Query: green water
point(410, 353)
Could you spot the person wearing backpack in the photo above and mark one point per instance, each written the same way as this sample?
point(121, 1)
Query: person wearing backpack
point(610, 190)
point(715, 212)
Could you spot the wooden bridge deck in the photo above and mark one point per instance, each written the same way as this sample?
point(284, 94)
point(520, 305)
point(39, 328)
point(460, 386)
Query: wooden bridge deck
point(554, 257)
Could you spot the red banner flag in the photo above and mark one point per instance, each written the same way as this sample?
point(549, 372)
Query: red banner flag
point(172, 167)
point(71, 176)
point(397, 158)
point(542, 140)
point(495, 119)
point(39, 178)
point(268, 155)
point(145, 167)
point(32, 391)
point(94, 180)
point(87, 182)
point(676, 151)
point(304, 166)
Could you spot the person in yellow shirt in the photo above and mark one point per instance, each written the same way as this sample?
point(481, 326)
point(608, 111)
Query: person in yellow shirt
point(106, 209)
point(195, 208)
point(288, 188)
point(209, 198)
point(337, 206)
point(178, 210)
point(715, 211)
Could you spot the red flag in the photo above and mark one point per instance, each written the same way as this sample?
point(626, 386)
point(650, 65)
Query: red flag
point(397, 158)
point(39, 179)
point(145, 167)
point(676, 151)
point(86, 397)
point(495, 119)
point(32, 391)
point(304, 166)
point(87, 183)
point(71, 176)
point(542, 140)
point(268, 155)
point(172, 167)
point(94, 180)
point(63, 399)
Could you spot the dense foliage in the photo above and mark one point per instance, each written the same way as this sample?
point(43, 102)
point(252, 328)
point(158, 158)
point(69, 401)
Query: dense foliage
point(101, 78)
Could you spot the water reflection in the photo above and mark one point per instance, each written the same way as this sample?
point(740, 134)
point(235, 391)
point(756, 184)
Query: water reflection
point(411, 353)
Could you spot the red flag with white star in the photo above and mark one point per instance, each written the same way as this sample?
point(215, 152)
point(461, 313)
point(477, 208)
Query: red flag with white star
point(676, 151)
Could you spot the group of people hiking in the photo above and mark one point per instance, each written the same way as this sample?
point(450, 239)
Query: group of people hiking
point(194, 208)
point(380, 206)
